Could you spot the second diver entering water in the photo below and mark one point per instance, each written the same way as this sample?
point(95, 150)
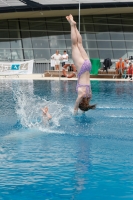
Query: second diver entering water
point(83, 65)
point(46, 113)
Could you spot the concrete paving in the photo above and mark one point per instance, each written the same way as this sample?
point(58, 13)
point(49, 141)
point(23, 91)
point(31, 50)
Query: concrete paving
point(41, 77)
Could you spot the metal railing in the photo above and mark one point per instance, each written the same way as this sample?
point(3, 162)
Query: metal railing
point(41, 67)
point(44, 67)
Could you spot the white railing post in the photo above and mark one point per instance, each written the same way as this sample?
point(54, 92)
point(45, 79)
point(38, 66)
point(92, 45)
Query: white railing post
point(79, 15)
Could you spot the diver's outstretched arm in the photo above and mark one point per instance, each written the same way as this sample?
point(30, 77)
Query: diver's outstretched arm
point(45, 112)
point(78, 100)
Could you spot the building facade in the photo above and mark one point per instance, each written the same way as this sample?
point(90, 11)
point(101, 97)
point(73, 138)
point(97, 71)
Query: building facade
point(36, 34)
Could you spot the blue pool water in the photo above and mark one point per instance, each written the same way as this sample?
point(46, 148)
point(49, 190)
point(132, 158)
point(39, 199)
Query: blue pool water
point(88, 156)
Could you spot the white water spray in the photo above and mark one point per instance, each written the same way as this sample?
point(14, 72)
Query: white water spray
point(28, 107)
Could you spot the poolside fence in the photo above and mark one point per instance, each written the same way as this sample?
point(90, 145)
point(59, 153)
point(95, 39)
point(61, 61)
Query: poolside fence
point(40, 67)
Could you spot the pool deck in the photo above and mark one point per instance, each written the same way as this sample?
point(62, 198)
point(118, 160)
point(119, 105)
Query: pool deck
point(41, 77)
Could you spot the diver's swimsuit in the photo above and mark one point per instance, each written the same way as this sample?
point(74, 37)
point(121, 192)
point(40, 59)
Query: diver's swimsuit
point(85, 67)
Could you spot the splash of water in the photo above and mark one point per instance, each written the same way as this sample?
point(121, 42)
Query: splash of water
point(28, 108)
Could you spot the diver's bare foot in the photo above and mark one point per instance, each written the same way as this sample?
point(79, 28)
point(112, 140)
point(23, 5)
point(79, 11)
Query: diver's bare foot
point(71, 16)
point(68, 19)
point(71, 19)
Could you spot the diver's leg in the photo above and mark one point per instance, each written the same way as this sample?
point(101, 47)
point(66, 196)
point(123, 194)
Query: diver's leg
point(76, 55)
point(79, 41)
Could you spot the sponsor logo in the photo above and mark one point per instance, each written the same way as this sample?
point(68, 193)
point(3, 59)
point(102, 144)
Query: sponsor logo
point(15, 66)
point(4, 67)
point(24, 66)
